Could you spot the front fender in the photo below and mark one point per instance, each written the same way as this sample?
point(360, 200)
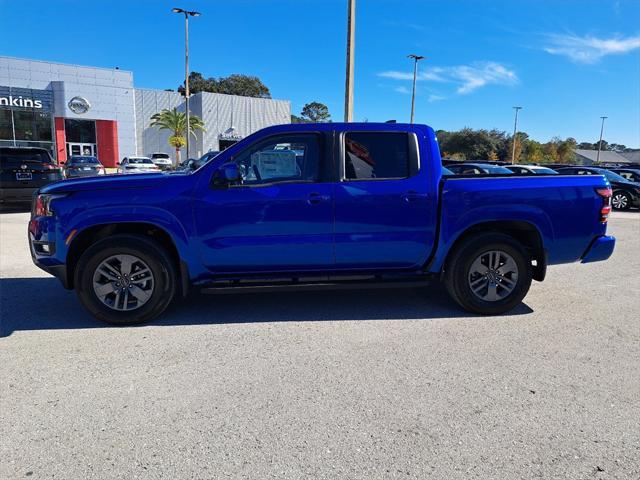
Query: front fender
point(160, 218)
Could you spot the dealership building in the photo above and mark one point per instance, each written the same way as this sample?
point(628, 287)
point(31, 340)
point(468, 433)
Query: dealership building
point(73, 110)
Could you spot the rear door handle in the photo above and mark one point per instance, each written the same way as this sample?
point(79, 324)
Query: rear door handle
point(315, 198)
point(412, 196)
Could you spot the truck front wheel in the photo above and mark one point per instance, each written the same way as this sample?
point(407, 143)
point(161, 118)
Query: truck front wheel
point(125, 279)
point(488, 273)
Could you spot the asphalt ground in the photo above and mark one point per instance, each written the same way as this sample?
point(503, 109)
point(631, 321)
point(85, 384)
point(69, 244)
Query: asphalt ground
point(325, 385)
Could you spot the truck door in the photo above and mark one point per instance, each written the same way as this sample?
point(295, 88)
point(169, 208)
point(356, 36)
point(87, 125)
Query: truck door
point(385, 213)
point(280, 216)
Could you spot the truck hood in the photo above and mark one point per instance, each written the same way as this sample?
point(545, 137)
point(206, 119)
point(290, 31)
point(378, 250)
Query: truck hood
point(107, 182)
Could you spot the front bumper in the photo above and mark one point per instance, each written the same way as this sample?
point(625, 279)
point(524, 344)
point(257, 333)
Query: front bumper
point(600, 249)
point(43, 244)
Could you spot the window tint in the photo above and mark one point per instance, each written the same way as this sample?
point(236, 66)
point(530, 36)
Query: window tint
point(376, 155)
point(11, 157)
point(283, 158)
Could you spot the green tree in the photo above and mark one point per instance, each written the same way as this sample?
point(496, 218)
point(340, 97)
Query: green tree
point(315, 112)
point(566, 150)
point(533, 152)
point(550, 151)
point(176, 122)
point(236, 84)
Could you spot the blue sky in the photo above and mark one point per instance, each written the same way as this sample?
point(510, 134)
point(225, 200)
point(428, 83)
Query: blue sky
point(566, 62)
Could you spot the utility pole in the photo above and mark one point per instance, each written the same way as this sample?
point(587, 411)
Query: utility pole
point(351, 45)
point(515, 130)
point(600, 141)
point(187, 14)
point(416, 59)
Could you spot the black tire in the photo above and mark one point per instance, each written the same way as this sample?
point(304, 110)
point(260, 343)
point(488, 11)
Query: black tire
point(621, 200)
point(458, 266)
point(147, 250)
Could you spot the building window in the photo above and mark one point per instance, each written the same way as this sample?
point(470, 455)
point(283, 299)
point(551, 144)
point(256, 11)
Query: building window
point(80, 131)
point(6, 125)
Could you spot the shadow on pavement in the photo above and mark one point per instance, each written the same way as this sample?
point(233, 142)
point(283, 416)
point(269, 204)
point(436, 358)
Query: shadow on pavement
point(42, 304)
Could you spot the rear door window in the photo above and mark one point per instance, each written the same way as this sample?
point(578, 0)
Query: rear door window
point(376, 155)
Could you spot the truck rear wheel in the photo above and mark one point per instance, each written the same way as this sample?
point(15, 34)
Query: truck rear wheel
point(125, 279)
point(489, 274)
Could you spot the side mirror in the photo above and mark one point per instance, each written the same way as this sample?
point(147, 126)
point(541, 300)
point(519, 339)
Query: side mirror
point(227, 174)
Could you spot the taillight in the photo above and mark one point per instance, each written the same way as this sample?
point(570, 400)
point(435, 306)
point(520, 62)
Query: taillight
point(605, 194)
point(42, 205)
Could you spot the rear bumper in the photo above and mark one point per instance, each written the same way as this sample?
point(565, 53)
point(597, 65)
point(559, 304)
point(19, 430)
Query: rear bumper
point(600, 249)
point(20, 194)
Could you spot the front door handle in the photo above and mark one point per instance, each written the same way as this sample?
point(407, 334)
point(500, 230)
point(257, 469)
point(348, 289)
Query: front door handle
point(412, 196)
point(315, 198)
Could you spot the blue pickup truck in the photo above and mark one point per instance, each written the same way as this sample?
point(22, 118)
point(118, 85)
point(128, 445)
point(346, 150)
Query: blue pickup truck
point(315, 206)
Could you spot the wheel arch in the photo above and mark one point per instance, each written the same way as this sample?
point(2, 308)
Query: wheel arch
point(90, 235)
point(524, 232)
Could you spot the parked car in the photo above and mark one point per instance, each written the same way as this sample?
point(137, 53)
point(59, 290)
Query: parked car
point(137, 165)
point(631, 174)
point(82, 166)
point(162, 160)
point(478, 169)
point(626, 194)
point(347, 205)
point(531, 170)
point(23, 171)
point(194, 164)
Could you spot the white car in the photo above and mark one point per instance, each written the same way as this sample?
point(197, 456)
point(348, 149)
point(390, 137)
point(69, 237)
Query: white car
point(162, 160)
point(137, 165)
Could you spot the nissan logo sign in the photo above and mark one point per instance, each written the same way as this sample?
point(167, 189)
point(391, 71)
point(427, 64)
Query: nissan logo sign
point(79, 105)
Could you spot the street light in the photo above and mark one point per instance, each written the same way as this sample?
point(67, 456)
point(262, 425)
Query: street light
point(416, 59)
point(351, 45)
point(600, 142)
point(187, 14)
point(515, 130)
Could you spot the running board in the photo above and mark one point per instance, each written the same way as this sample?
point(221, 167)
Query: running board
point(235, 287)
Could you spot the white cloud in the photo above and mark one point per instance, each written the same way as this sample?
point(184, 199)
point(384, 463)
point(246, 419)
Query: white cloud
point(396, 75)
point(467, 77)
point(402, 89)
point(589, 49)
point(435, 98)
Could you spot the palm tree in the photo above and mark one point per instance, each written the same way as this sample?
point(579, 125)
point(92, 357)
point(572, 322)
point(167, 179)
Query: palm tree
point(176, 122)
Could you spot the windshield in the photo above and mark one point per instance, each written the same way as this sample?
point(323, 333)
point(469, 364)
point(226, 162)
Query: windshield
point(83, 160)
point(545, 170)
point(160, 155)
point(612, 177)
point(496, 169)
point(140, 161)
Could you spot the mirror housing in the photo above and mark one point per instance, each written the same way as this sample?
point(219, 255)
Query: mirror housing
point(227, 174)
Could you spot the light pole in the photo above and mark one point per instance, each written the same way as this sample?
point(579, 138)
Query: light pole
point(187, 14)
point(600, 141)
point(351, 45)
point(515, 130)
point(416, 59)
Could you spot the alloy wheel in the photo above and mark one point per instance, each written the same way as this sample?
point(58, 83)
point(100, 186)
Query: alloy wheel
point(493, 275)
point(123, 282)
point(619, 201)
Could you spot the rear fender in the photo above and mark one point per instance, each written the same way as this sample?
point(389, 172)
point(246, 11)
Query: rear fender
point(454, 225)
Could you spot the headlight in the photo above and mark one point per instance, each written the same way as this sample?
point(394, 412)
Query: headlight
point(42, 205)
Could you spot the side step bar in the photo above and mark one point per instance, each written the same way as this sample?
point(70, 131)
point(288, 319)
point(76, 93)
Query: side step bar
point(238, 287)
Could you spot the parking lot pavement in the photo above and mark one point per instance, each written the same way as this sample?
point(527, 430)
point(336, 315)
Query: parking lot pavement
point(359, 385)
